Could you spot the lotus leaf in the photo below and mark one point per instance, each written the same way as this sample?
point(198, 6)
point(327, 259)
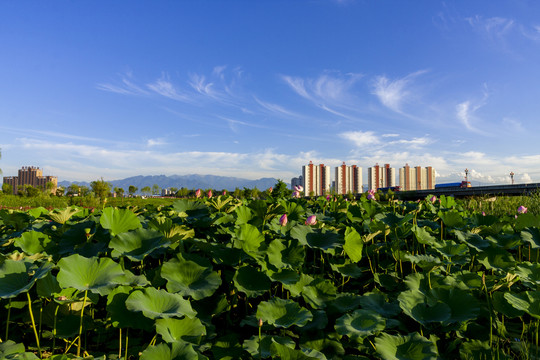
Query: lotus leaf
point(353, 244)
point(283, 313)
point(34, 242)
point(137, 244)
point(319, 292)
point(253, 345)
point(285, 276)
point(251, 281)
point(187, 329)
point(12, 350)
point(120, 316)
point(496, 258)
point(503, 306)
point(360, 324)
point(249, 239)
point(243, 215)
point(17, 277)
point(62, 216)
point(422, 309)
point(451, 218)
point(423, 236)
point(408, 347)
point(343, 303)
point(474, 241)
point(527, 220)
point(227, 347)
point(378, 302)
point(177, 351)
point(190, 276)
point(37, 212)
point(97, 275)
point(191, 208)
point(532, 236)
point(118, 221)
point(529, 274)
point(317, 238)
point(156, 304)
point(284, 352)
point(528, 301)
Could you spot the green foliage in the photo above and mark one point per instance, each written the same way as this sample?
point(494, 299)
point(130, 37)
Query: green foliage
point(222, 278)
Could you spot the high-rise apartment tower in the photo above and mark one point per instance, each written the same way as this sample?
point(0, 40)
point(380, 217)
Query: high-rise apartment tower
point(348, 179)
point(381, 176)
point(316, 179)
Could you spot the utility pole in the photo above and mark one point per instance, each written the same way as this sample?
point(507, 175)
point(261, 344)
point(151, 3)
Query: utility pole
point(466, 175)
point(512, 177)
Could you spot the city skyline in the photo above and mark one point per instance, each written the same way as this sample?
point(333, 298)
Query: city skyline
point(258, 89)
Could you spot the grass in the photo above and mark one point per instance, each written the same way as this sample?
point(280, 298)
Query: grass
point(503, 205)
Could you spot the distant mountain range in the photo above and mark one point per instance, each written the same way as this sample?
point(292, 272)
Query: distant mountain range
point(186, 181)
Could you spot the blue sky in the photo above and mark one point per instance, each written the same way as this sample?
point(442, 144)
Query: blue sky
point(92, 89)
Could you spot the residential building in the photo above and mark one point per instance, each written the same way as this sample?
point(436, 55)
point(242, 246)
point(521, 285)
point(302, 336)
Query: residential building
point(316, 179)
point(381, 177)
point(348, 179)
point(30, 175)
point(416, 178)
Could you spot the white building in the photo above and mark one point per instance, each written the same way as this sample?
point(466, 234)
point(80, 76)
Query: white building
point(416, 178)
point(316, 179)
point(381, 177)
point(348, 179)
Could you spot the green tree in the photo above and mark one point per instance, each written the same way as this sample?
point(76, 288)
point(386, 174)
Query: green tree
point(7, 189)
point(60, 191)
point(155, 189)
point(132, 190)
point(280, 190)
point(49, 187)
point(101, 188)
point(146, 190)
point(73, 189)
point(84, 190)
point(119, 191)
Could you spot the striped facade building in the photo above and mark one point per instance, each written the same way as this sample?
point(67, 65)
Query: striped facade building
point(316, 179)
point(381, 177)
point(30, 175)
point(348, 179)
point(416, 178)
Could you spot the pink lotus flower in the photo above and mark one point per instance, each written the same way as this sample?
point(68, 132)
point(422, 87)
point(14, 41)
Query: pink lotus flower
point(483, 213)
point(327, 197)
point(522, 209)
point(433, 199)
point(209, 194)
point(283, 220)
point(270, 189)
point(296, 194)
point(224, 192)
point(299, 188)
point(311, 220)
point(198, 193)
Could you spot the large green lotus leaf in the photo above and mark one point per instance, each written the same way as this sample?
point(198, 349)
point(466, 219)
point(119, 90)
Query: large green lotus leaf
point(353, 244)
point(475, 349)
point(249, 239)
point(17, 277)
point(156, 304)
point(137, 244)
point(426, 262)
point(283, 313)
point(222, 254)
point(496, 258)
point(319, 292)
point(62, 216)
point(528, 301)
point(11, 350)
point(343, 303)
point(474, 241)
point(378, 302)
point(294, 254)
point(501, 305)
point(169, 229)
point(423, 236)
point(243, 215)
point(120, 316)
point(273, 252)
point(297, 287)
point(532, 236)
point(416, 305)
point(317, 238)
point(463, 306)
point(451, 250)
point(251, 281)
point(48, 286)
point(529, 274)
point(360, 324)
point(506, 241)
point(190, 276)
point(254, 345)
point(333, 349)
point(118, 221)
point(452, 219)
point(408, 347)
point(191, 208)
point(37, 212)
point(97, 275)
point(284, 352)
point(33, 242)
point(285, 276)
point(177, 351)
point(187, 329)
point(293, 210)
point(346, 267)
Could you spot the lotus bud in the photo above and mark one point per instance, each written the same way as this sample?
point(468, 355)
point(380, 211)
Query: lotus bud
point(260, 322)
point(296, 194)
point(198, 193)
point(299, 188)
point(483, 213)
point(433, 199)
point(283, 220)
point(270, 189)
point(327, 197)
point(522, 209)
point(311, 220)
point(224, 192)
point(209, 194)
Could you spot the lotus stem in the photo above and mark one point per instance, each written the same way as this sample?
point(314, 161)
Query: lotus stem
point(54, 328)
point(33, 323)
point(127, 340)
point(81, 324)
point(7, 321)
point(120, 344)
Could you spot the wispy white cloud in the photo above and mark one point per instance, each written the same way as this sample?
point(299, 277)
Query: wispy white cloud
point(466, 112)
point(361, 139)
point(126, 86)
point(275, 108)
point(155, 142)
point(394, 93)
point(166, 88)
point(494, 27)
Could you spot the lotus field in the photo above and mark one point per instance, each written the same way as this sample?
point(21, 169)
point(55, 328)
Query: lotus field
point(222, 278)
